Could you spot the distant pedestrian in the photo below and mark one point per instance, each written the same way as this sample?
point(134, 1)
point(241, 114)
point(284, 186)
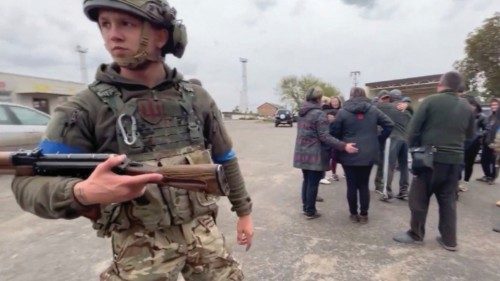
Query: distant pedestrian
point(442, 122)
point(487, 154)
point(473, 145)
point(331, 109)
point(358, 122)
point(312, 148)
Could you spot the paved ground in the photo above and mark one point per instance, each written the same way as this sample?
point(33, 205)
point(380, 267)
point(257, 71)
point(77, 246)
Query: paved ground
point(287, 246)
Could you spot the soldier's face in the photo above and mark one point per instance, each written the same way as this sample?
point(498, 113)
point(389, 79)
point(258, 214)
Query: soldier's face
point(122, 33)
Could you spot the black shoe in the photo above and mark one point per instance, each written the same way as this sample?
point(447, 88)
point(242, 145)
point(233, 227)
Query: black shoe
point(363, 219)
point(319, 199)
point(354, 218)
point(386, 198)
point(484, 179)
point(405, 238)
point(449, 248)
point(496, 228)
point(313, 216)
point(402, 196)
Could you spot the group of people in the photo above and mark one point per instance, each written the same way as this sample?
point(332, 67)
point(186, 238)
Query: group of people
point(363, 132)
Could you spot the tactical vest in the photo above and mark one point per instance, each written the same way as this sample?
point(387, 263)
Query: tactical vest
point(158, 129)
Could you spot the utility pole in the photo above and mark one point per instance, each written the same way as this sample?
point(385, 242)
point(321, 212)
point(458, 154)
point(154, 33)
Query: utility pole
point(82, 52)
point(244, 94)
point(355, 74)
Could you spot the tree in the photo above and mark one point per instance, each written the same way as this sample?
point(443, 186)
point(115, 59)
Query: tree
point(481, 65)
point(292, 89)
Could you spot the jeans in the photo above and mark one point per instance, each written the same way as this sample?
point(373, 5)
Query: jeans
point(442, 181)
point(488, 161)
point(470, 154)
point(358, 178)
point(310, 190)
point(398, 154)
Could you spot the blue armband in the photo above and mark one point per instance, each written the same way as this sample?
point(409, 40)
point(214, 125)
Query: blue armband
point(224, 157)
point(53, 147)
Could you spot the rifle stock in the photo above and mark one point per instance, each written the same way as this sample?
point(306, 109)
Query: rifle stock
point(207, 178)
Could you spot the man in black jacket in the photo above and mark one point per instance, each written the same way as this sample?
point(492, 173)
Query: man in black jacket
point(443, 121)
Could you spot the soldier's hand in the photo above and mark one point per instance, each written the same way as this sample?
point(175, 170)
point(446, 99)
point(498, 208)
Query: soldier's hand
point(244, 231)
point(351, 148)
point(402, 106)
point(104, 187)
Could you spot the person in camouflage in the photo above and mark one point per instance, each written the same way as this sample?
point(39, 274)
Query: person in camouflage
point(140, 107)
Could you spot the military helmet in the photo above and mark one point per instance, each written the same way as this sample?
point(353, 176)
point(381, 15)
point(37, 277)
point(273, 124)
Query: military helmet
point(157, 12)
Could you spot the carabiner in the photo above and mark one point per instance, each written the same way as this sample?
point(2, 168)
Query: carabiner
point(133, 134)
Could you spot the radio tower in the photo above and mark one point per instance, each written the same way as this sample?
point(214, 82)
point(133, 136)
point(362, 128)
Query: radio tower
point(244, 96)
point(83, 64)
point(355, 74)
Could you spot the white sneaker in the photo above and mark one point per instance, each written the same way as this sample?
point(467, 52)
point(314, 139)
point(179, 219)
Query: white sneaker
point(324, 181)
point(462, 186)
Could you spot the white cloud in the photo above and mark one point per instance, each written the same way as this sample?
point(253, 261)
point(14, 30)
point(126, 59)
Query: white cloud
point(388, 39)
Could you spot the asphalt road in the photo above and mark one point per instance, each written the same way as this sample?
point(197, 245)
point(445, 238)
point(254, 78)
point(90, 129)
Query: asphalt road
point(286, 246)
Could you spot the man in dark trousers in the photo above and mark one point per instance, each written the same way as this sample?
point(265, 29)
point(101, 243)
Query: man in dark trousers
point(398, 152)
point(443, 121)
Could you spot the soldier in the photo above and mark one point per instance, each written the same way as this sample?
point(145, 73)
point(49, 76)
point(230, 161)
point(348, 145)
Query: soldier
point(140, 107)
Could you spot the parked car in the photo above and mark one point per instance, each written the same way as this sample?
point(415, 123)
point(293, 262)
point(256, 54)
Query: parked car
point(283, 116)
point(21, 126)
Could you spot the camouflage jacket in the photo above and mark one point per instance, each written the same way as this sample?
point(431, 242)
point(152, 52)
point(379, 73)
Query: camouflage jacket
point(85, 124)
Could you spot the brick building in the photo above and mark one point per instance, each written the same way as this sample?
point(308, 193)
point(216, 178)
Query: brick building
point(267, 109)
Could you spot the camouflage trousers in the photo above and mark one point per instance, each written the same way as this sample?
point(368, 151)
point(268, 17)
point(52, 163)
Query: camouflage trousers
point(196, 250)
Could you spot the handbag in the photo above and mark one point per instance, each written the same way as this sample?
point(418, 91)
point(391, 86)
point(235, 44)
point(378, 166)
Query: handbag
point(422, 158)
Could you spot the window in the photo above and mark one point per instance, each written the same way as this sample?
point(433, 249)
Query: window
point(29, 117)
point(4, 117)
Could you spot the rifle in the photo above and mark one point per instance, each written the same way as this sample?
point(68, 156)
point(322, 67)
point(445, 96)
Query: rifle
point(207, 178)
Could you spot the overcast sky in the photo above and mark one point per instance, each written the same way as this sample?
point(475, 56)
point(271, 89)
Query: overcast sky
point(384, 39)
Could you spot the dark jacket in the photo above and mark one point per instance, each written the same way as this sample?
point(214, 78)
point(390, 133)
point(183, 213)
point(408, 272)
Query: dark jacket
point(313, 143)
point(444, 121)
point(401, 119)
point(357, 122)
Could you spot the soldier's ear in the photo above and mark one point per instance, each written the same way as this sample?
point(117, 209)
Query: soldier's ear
point(162, 38)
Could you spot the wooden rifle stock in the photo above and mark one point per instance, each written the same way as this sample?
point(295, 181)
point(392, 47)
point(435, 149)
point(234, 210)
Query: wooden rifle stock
point(207, 178)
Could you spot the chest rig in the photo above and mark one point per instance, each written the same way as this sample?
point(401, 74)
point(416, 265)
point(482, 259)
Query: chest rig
point(158, 128)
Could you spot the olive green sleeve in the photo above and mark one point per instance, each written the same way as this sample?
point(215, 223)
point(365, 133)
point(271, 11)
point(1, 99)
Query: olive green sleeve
point(238, 195)
point(48, 197)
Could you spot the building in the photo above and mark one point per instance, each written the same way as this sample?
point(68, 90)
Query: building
point(39, 93)
point(267, 109)
point(415, 88)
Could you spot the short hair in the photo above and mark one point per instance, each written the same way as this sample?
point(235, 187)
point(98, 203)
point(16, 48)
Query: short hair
point(314, 94)
point(357, 92)
point(383, 94)
point(452, 80)
point(195, 81)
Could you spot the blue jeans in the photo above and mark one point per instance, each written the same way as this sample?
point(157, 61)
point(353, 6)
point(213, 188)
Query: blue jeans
point(310, 190)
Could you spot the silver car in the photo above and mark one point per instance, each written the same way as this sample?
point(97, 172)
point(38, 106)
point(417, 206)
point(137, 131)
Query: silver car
point(21, 126)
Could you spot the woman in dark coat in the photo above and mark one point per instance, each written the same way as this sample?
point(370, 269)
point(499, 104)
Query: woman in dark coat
point(312, 148)
point(357, 122)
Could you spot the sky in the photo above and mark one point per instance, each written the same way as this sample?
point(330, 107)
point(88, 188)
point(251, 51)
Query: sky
point(383, 39)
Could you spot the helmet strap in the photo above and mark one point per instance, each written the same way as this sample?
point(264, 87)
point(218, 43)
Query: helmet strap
point(142, 57)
